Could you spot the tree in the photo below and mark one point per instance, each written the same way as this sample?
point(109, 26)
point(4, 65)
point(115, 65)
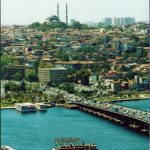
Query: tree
point(24, 36)
point(35, 88)
point(35, 25)
point(11, 86)
point(40, 36)
point(100, 25)
point(45, 65)
point(22, 86)
point(84, 26)
point(62, 25)
point(109, 27)
point(7, 59)
point(76, 25)
point(17, 76)
point(36, 64)
point(67, 87)
point(65, 57)
point(83, 75)
point(81, 57)
point(31, 77)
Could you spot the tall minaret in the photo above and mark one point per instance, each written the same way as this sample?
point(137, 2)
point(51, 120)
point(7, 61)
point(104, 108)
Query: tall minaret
point(66, 14)
point(58, 10)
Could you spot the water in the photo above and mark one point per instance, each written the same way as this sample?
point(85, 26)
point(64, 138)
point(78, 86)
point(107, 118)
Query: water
point(36, 131)
point(140, 104)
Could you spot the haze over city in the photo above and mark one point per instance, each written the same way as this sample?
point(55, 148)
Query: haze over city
point(29, 11)
point(75, 75)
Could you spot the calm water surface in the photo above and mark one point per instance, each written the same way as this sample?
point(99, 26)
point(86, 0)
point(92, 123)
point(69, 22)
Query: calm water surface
point(143, 105)
point(36, 131)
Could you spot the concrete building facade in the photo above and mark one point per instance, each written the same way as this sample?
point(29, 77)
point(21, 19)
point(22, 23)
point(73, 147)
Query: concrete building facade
point(53, 75)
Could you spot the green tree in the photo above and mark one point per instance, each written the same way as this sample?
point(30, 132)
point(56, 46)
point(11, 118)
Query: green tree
point(76, 25)
point(22, 86)
point(45, 65)
point(84, 27)
point(67, 87)
point(17, 76)
point(11, 86)
point(35, 25)
point(109, 27)
point(24, 36)
point(40, 36)
point(63, 25)
point(65, 57)
point(31, 77)
point(7, 59)
point(83, 75)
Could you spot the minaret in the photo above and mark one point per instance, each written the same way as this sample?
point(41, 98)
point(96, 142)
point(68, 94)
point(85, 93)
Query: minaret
point(66, 14)
point(58, 10)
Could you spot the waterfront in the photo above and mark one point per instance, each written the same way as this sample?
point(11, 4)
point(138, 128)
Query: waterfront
point(142, 105)
point(38, 130)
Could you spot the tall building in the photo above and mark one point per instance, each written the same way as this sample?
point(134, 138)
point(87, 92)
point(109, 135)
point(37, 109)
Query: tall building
point(108, 21)
point(58, 10)
point(66, 14)
point(127, 21)
point(130, 20)
point(52, 75)
point(116, 21)
point(119, 21)
point(123, 21)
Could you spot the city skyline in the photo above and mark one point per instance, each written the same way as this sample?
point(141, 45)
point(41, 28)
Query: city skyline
point(29, 12)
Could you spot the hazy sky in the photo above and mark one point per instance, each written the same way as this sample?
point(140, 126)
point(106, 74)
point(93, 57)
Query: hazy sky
point(28, 11)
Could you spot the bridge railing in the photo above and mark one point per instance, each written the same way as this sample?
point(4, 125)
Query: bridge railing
point(116, 112)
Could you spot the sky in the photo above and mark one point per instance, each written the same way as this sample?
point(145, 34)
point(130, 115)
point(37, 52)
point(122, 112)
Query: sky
point(28, 11)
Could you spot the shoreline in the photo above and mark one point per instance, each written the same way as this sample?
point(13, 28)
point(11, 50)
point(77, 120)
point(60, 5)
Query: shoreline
point(3, 108)
point(113, 101)
point(130, 99)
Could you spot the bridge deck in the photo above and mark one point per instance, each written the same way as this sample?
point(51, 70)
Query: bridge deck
point(128, 120)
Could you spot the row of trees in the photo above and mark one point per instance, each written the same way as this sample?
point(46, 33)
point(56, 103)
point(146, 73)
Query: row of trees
point(31, 77)
point(14, 87)
point(45, 26)
point(54, 22)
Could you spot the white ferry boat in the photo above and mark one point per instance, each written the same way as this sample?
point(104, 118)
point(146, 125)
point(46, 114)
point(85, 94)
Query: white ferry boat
point(25, 107)
point(6, 148)
point(41, 106)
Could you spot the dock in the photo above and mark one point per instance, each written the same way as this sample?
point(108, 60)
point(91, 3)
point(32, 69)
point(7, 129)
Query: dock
point(2, 108)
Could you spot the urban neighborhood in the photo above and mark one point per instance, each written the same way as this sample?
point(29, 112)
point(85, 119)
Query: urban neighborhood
point(70, 84)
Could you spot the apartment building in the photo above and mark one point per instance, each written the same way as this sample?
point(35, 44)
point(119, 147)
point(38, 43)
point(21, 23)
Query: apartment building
point(53, 75)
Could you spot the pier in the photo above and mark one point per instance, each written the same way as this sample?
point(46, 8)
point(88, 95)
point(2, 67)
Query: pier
point(120, 115)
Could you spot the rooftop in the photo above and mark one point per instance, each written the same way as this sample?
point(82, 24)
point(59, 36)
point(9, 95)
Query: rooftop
point(74, 62)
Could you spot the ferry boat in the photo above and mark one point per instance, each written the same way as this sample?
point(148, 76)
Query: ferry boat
point(72, 144)
point(77, 147)
point(6, 148)
point(25, 107)
point(41, 106)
